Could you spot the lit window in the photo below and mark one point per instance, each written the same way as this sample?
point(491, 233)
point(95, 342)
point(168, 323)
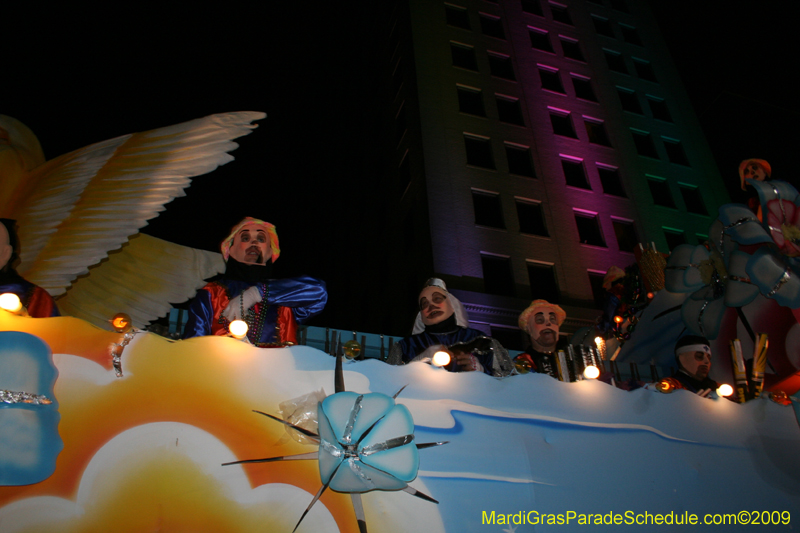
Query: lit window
point(644, 144)
point(531, 218)
point(457, 16)
point(488, 211)
point(540, 39)
point(616, 62)
point(659, 189)
point(571, 49)
point(693, 199)
point(675, 238)
point(544, 286)
point(463, 56)
point(519, 160)
point(562, 123)
point(675, 151)
point(589, 228)
point(497, 276)
point(532, 6)
point(630, 35)
point(500, 66)
point(560, 13)
point(596, 280)
point(479, 151)
point(509, 110)
point(492, 26)
point(659, 108)
point(629, 100)
point(609, 179)
point(551, 80)
point(574, 173)
point(583, 88)
point(596, 131)
point(602, 26)
point(470, 100)
point(627, 240)
point(644, 70)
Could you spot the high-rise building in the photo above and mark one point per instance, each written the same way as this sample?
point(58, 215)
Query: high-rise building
point(535, 144)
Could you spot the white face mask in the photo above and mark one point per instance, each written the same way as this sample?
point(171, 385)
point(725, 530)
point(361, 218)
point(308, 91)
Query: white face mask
point(696, 364)
point(250, 245)
point(543, 329)
point(434, 305)
point(754, 171)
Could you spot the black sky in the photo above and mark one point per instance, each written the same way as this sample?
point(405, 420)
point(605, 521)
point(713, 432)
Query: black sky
point(81, 76)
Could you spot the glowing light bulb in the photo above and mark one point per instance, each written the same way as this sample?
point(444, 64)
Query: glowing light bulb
point(10, 302)
point(725, 390)
point(650, 295)
point(618, 319)
point(591, 372)
point(121, 322)
point(238, 329)
point(441, 358)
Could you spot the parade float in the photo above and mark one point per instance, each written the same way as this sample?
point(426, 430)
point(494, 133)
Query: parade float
point(107, 427)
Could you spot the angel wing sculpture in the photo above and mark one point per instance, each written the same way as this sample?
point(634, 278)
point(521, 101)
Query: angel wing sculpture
point(75, 209)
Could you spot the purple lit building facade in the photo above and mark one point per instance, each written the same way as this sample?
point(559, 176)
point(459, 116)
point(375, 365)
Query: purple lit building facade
point(533, 145)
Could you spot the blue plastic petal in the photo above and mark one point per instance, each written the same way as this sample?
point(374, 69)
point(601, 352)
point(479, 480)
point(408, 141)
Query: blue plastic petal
point(340, 407)
point(774, 278)
point(331, 452)
point(703, 316)
point(773, 190)
point(679, 276)
point(742, 225)
point(29, 439)
point(720, 241)
point(355, 476)
point(739, 293)
point(402, 461)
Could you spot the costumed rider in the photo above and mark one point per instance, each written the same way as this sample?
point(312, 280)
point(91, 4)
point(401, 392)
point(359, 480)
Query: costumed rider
point(35, 299)
point(442, 324)
point(693, 354)
point(542, 321)
point(272, 308)
point(754, 169)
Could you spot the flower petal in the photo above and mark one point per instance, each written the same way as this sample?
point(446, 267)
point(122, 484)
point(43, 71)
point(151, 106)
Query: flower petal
point(742, 225)
point(703, 316)
point(774, 278)
point(679, 276)
point(739, 293)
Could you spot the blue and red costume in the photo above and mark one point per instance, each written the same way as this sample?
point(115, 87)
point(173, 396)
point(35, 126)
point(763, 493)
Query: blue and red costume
point(272, 323)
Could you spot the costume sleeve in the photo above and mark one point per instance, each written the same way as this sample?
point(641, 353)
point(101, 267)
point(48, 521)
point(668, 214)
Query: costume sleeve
point(286, 326)
point(201, 315)
point(306, 296)
point(41, 304)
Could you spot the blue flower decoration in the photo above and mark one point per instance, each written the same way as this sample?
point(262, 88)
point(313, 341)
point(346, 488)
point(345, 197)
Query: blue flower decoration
point(366, 443)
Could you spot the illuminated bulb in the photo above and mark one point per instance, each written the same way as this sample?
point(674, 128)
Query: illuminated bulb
point(10, 302)
point(618, 319)
point(591, 372)
point(441, 358)
point(238, 329)
point(650, 295)
point(121, 322)
point(725, 390)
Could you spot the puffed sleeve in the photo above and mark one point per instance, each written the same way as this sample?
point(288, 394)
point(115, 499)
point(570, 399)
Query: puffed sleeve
point(201, 315)
point(306, 296)
point(41, 304)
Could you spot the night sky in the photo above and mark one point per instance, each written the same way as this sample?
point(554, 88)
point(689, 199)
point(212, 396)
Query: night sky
point(77, 77)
